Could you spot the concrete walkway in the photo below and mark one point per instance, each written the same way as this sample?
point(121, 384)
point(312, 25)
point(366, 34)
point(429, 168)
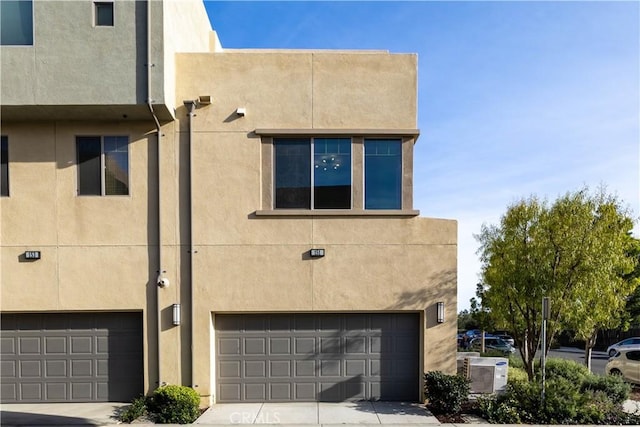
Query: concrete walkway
point(219, 415)
point(60, 414)
point(323, 413)
point(346, 414)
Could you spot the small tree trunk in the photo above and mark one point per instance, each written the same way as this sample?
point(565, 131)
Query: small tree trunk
point(587, 356)
point(588, 348)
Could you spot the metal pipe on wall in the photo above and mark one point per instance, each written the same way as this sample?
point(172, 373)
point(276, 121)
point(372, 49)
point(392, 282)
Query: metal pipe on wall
point(191, 106)
point(161, 270)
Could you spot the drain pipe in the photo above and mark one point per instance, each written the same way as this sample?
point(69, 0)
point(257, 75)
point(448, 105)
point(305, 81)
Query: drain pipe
point(191, 107)
point(161, 281)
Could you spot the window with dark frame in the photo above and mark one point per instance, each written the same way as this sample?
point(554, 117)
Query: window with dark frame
point(4, 170)
point(382, 174)
point(103, 165)
point(103, 14)
point(16, 22)
point(321, 180)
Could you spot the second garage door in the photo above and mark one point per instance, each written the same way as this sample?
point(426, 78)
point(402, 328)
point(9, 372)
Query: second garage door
point(317, 357)
point(71, 357)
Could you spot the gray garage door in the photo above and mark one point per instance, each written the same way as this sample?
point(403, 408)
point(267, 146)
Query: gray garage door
point(317, 357)
point(71, 357)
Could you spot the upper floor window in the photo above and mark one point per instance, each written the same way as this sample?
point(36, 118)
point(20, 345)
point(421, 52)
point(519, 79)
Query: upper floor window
point(16, 22)
point(103, 165)
point(103, 14)
point(321, 180)
point(382, 174)
point(4, 170)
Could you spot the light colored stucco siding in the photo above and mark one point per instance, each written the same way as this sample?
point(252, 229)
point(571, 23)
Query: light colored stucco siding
point(97, 244)
point(364, 91)
point(76, 63)
point(298, 89)
point(98, 253)
point(249, 263)
point(186, 29)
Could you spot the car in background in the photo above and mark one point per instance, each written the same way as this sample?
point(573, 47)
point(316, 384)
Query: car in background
point(626, 344)
point(472, 333)
point(507, 338)
point(625, 363)
point(492, 343)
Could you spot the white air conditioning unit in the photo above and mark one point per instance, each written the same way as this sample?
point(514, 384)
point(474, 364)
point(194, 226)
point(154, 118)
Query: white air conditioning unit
point(487, 374)
point(460, 360)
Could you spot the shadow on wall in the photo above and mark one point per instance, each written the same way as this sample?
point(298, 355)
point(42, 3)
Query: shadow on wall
point(426, 297)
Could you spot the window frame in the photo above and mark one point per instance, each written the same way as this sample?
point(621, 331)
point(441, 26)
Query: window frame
point(311, 141)
point(33, 29)
point(96, 5)
point(407, 137)
point(103, 166)
point(4, 160)
point(401, 179)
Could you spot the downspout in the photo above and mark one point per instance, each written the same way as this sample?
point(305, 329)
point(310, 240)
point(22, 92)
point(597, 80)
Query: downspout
point(191, 106)
point(160, 281)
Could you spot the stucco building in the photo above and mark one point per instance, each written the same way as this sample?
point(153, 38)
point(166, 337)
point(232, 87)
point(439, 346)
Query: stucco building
point(240, 221)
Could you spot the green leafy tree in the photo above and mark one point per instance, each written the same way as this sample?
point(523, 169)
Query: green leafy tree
point(574, 251)
point(632, 312)
point(467, 321)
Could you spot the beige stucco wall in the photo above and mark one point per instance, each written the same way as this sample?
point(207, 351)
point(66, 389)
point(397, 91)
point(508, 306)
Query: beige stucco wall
point(186, 29)
point(101, 253)
point(251, 263)
point(98, 253)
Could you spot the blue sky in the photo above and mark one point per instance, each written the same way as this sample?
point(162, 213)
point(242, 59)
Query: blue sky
point(515, 98)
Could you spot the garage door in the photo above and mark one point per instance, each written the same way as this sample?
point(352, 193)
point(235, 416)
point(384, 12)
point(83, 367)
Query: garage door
point(71, 357)
point(317, 357)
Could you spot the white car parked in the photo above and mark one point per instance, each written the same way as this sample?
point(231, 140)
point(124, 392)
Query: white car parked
point(626, 344)
point(625, 363)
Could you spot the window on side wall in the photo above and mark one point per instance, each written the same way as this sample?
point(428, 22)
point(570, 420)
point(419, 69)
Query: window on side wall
point(382, 174)
point(4, 170)
point(16, 22)
point(103, 12)
point(312, 173)
point(103, 165)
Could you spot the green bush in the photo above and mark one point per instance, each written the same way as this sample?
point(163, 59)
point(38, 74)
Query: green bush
point(445, 393)
point(594, 400)
point(517, 375)
point(568, 369)
point(174, 404)
point(137, 409)
point(612, 386)
point(562, 402)
point(516, 361)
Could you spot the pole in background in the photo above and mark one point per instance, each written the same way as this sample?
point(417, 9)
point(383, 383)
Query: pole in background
point(543, 358)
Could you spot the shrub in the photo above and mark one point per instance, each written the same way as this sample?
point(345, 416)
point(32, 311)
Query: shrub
point(174, 404)
point(517, 375)
point(611, 385)
point(568, 369)
point(516, 361)
point(137, 409)
point(499, 411)
point(595, 400)
point(562, 402)
point(445, 393)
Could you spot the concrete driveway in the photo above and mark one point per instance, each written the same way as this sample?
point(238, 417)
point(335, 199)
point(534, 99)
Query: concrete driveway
point(319, 413)
point(105, 414)
point(68, 414)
